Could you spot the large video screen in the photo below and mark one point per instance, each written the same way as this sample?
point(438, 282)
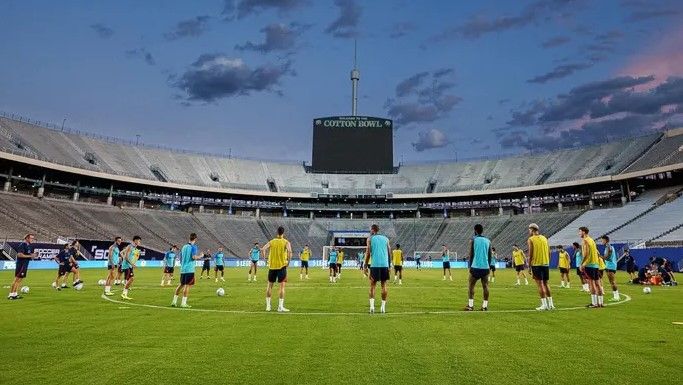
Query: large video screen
point(353, 145)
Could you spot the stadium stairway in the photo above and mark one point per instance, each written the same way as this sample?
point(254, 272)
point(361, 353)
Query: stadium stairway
point(214, 237)
point(264, 228)
point(437, 234)
point(147, 228)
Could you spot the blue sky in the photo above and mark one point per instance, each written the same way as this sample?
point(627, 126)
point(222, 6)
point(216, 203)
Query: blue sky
point(460, 79)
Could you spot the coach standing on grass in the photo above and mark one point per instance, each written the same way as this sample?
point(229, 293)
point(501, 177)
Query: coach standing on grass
point(25, 254)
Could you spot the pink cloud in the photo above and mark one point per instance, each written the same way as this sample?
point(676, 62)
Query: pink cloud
point(663, 59)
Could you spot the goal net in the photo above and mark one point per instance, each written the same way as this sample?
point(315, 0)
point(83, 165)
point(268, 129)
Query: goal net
point(426, 256)
point(350, 255)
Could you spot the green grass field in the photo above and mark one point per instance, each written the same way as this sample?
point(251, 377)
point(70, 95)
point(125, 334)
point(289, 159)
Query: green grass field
point(72, 337)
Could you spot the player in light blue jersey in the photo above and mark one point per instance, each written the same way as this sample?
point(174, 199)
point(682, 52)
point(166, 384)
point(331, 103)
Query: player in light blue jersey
point(610, 257)
point(446, 260)
point(254, 256)
point(169, 265)
point(578, 258)
point(219, 263)
point(481, 259)
point(188, 255)
point(332, 260)
point(129, 260)
point(113, 264)
point(377, 253)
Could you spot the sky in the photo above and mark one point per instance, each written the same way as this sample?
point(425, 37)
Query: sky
point(247, 77)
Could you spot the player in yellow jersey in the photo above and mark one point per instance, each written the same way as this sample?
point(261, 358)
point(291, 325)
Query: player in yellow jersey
point(340, 262)
point(279, 252)
point(304, 256)
point(397, 261)
point(539, 262)
point(563, 265)
point(590, 265)
point(518, 262)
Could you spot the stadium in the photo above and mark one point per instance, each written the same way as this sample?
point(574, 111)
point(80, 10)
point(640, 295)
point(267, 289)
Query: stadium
point(94, 235)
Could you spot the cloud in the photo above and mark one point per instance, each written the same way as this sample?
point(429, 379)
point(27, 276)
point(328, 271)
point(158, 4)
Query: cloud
point(559, 72)
point(345, 25)
point(423, 97)
point(102, 30)
point(647, 10)
point(188, 28)
point(401, 29)
point(141, 53)
point(535, 12)
point(430, 139)
point(662, 58)
point(279, 37)
point(238, 9)
point(596, 111)
point(216, 76)
point(556, 41)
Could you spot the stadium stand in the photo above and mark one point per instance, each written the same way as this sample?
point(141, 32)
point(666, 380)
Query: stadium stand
point(653, 224)
point(117, 157)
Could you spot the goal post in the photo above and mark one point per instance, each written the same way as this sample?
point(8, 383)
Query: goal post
point(435, 256)
point(350, 255)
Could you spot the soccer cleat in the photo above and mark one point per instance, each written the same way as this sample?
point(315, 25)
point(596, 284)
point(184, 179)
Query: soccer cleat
point(108, 293)
point(541, 308)
point(484, 309)
point(14, 297)
point(173, 304)
point(372, 310)
point(54, 285)
point(185, 306)
point(216, 280)
point(383, 311)
point(267, 308)
point(450, 278)
point(254, 279)
point(125, 297)
point(551, 307)
point(468, 308)
point(282, 310)
point(222, 279)
point(591, 306)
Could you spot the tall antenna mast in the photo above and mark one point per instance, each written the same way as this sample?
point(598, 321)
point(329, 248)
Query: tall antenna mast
point(355, 77)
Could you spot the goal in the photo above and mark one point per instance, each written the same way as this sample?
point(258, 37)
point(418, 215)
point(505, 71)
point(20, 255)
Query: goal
point(435, 255)
point(350, 255)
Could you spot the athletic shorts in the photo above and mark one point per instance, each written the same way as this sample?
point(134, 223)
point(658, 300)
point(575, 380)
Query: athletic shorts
point(492, 267)
point(21, 269)
point(601, 273)
point(611, 271)
point(62, 270)
point(519, 268)
point(277, 275)
point(206, 266)
point(187, 279)
point(119, 269)
point(379, 274)
point(417, 262)
point(168, 270)
point(218, 268)
point(333, 266)
point(631, 268)
point(446, 265)
point(541, 273)
point(129, 273)
point(592, 273)
point(398, 268)
point(578, 272)
point(479, 273)
point(339, 265)
point(254, 262)
point(564, 270)
point(304, 264)
point(110, 267)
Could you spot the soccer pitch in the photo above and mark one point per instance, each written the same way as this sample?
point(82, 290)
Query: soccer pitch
point(78, 337)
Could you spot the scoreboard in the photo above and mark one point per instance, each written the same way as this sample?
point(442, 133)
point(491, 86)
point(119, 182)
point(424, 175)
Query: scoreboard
point(353, 145)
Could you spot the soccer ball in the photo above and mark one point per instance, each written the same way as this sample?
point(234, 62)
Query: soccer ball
point(220, 292)
point(79, 286)
point(647, 290)
point(101, 282)
point(25, 289)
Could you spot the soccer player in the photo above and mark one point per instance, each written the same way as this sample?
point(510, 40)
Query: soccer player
point(219, 265)
point(494, 259)
point(332, 256)
point(481, 260)
point(131, 254)
point(189, 253)
point(539, 261)
point(610, 257)
point(254, 256)
point(340, 262)
point(630, 265)
point(418, 263)
point(361, 260)
point(72, 265)
point(25, 254)
point(518, 262)
point(62, 258)
point(446, 260)
point(169, 265)
point(589, 266)
point(377, 252)
point(206, 266)
point(563, 264)
point(304, 256)
point(113, 261)
point(578, 258)
point(279, 254)
point(397, 261)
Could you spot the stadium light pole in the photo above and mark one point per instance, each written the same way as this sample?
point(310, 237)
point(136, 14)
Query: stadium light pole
point(63, 121)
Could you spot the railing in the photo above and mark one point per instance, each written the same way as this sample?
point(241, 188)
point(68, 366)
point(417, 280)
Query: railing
point(11, 253)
